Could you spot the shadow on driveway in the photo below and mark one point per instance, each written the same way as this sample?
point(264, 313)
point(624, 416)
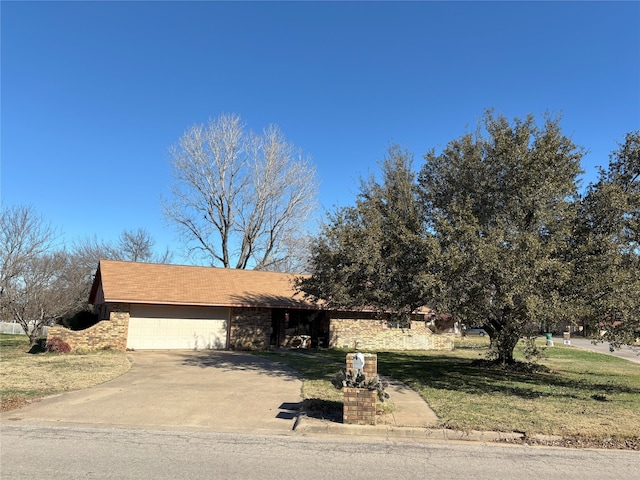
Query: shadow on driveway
point(237, 361)
point(216, 391)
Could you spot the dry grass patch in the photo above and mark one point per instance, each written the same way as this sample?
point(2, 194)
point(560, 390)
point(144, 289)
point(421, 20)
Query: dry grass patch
point(27, 377)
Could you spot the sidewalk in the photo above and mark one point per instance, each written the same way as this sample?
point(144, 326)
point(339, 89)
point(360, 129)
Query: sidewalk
point(412, 420)
point(410, 408)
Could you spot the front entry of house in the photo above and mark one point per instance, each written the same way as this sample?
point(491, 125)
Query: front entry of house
point(288, 325)
point(158, 327)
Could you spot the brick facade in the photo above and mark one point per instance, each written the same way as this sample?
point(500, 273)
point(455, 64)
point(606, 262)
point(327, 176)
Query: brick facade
point(250, 329)
point(374, 334)
point(107, 334)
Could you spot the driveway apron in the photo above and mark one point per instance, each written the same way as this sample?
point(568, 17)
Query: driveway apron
point(212, 390)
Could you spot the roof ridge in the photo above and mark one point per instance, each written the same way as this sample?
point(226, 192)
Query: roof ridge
point(176, 265)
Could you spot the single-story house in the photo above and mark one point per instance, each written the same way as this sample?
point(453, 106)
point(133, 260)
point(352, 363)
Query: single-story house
point(172, 307)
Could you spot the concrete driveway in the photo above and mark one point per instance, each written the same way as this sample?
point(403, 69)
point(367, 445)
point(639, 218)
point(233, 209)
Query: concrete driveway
point(213, 390)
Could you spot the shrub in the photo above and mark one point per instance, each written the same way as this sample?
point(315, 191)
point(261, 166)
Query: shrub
point(80, 320)
point(57, 345)
point(359, 380)
point(532, 352)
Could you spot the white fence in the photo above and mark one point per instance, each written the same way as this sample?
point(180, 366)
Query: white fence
point(16, 329)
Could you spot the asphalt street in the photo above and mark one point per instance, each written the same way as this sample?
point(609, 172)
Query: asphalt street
point(628, 353)
point(229, 415)
point(89, 453)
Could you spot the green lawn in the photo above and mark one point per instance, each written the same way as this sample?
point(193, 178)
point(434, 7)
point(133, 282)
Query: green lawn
point(571, 393)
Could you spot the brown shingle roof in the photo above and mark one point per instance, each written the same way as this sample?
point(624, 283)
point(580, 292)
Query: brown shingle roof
point(130, 282)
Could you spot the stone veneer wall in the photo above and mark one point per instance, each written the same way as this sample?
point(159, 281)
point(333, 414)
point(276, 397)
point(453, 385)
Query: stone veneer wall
point(107, 334)
point(250, 329)
point(372, 334)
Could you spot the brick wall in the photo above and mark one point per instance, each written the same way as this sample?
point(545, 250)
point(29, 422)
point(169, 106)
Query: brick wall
point(250, 329)
point(359, 406)
point(106, 334)
point(373, 334)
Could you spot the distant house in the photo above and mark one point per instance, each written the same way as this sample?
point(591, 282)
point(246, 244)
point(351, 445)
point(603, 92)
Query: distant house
point(174, 307)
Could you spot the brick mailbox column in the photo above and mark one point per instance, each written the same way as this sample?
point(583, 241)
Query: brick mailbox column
point(360, 403)
point(370, 364)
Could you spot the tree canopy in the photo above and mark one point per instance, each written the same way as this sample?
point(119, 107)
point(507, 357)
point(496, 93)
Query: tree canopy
point(376, 254)
point(606, 249)
point(494, 231)
point(501, 202)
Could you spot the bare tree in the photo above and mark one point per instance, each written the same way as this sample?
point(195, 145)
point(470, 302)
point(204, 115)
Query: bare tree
point(84, 256)
point(295, 255)
point(42, 294)
point(41, 282)
point(23, 234)
point(27, 269)
point(132, 245)
point(238, 196)
point(137, 246)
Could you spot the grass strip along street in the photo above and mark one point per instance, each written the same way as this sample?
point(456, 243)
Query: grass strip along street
point(587, 398)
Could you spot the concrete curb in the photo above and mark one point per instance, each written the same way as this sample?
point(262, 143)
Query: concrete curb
point(308, 426)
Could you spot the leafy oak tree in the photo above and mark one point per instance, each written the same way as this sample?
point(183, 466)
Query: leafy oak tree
point(501, 203)
point(606, 252)
point(377, 254)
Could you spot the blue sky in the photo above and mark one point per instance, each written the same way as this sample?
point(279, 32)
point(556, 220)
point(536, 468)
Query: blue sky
point(94, 93)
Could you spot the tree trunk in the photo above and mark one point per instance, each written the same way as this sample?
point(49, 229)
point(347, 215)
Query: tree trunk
point(504, 343)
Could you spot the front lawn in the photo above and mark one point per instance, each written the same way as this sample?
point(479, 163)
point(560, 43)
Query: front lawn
point(27, 377)
point(585, 397)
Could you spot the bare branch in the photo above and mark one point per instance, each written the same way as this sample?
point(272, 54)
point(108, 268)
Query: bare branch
point(238, 195)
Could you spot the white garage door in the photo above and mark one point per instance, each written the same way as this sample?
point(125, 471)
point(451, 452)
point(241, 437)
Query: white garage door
point(177, 328)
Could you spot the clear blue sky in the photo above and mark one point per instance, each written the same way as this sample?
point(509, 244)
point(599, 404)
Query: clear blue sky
point(94, 93)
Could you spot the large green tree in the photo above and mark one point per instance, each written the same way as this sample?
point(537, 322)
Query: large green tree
point(378, 253)
point(501, 202)
point(606, 251)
